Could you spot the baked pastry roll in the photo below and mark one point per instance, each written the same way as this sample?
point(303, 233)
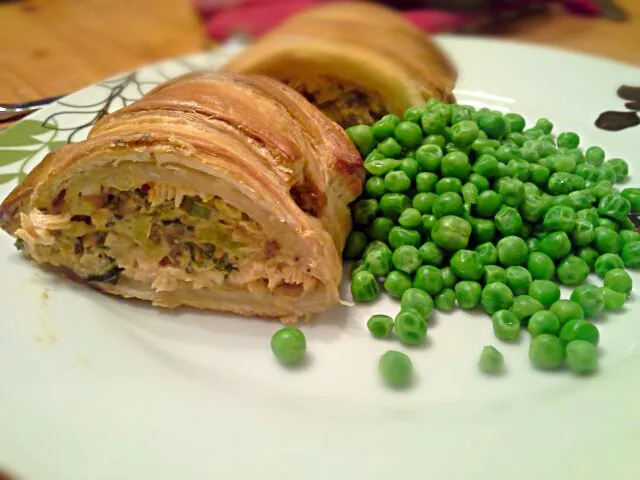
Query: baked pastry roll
point(215, 190)
point(355, 61)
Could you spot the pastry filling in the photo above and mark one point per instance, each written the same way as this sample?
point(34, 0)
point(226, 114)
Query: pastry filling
point(345, 104)
point(159, 235)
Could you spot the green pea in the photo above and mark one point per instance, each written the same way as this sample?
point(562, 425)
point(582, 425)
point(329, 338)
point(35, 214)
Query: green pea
point(518, 279)
point(546, 351)
point(583, 233)
point(445, 300)
point(515, 121)
point(469, 193)
point(429, 279)
point(506, 152)
point(508, 221)
point(606, 172)
point(397, 182)
point(626, 225)
point(374, 187)
point(485, 146)
point(364, 287)
point(602, 189)
point(533, 133)
point(480, 181)
point(630, 255)
point(560, 218)
point(362, 138)
point(448, 184)
point(464, 133)
point(466, 265)
point(590, 299)
point(488, 204)
point(506, 325)
point(572, 270)
point(529, 151)
point(486, 165)
point(491, 361)
point(451, 233)
point(627, 236)
point(379, 261)
point(589, 214)
point(385, 127)
point(428, 221)
point(619, 166)
point(380, 228)
point(533, 207)
point(412, 114)
point(589, 255)
point(512, 250)
point(397, 283)
point(540, 266)
point(444, 109)
point(533, 244)
point(374, 155)
point(543, 321)
point(581, 199)
point(408, 135)
point(406, 259)
point(390, 148)
point(449, 278)
point(594, 156)
point(381, 167)
point(459, 113)
point(410, 167)
point(556, 245)
point(356, 267)
point(456, 165)
point(380, 326)
point(468, 294)
point(364, 211)
point(496, 296)
point(429, 157)
point(606, 240)
point(433, 123)
point(579, 330)
point(614, 206)
point(393, 204)
point(448, 203)
point(632, 195)
point(494, 273)
point(568, 140)
point(355, 245)
point(511, 190)
point(399, 236)
point(613, 300)
point(606, 262)
point(539, 174)
point(493, 124)
point(525, 306)
point(618, 280)
point(288, 345)
point(582, 357)
point(431, 254)
point(488, 253)
point(426, 181)
point(545, 291)
point(418, 300)
point(410, 325)
point(438, 140)
point(396, 369)
point(608, 223)
point(410, 218)
point(545, 125)
point(567, 310)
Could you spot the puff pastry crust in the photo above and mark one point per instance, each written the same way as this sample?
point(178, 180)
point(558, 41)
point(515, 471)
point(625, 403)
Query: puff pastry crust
point(355, 61)
point(216, 190)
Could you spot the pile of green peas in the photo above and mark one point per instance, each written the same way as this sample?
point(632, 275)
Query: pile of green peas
point(468, 206)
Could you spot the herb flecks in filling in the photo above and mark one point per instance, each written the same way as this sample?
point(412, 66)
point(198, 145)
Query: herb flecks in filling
point(192, 234)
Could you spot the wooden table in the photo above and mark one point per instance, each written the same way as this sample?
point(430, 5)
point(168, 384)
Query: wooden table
point(51, 47)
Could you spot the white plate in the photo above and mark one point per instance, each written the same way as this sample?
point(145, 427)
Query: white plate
point(95, 388)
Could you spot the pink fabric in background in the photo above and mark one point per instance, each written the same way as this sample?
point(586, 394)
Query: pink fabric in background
point(255, 17)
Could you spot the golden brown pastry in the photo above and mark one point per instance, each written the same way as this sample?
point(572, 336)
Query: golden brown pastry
point(355, 61)
point(216, 190)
